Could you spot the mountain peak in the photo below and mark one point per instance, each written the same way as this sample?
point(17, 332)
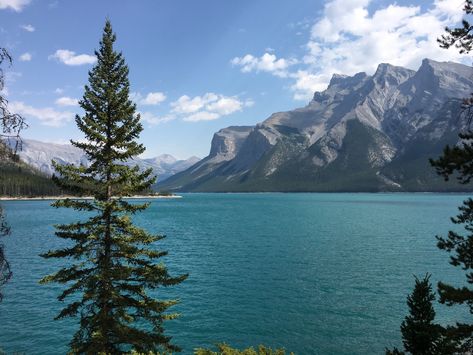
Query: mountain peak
point(390, 74)
point(344, 81)
point(438, 67)
point(431, 66)
point(386, 68)
point(337, 79)
point(165, 158)
point(434, 64)
point(454, 79)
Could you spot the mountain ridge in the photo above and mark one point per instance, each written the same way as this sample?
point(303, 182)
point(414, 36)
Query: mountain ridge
point(357, 135)
point(39, 155)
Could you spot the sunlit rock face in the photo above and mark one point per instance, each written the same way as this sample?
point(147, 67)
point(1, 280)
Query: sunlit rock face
point(363, 133)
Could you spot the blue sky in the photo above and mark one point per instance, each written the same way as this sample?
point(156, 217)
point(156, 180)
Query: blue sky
point(199, 66)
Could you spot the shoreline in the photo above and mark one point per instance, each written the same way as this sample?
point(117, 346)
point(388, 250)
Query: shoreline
point(155, 197)
point(47, 198)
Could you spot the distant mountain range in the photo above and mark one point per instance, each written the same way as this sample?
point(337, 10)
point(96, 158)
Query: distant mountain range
point(363, 133)
point(40, 154)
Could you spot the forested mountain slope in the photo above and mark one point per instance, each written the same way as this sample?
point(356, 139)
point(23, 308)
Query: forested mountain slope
point(18, 179)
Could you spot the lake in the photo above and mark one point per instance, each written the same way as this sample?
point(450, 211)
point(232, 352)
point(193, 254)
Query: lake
point(313, 273)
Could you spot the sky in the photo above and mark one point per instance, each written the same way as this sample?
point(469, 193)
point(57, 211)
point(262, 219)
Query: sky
point(197, 66)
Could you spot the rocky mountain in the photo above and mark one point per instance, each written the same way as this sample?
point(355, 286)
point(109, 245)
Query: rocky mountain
point(40, 154)
point(363, 133)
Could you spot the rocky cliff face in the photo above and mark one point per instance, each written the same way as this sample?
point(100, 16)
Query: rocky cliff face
point(363, 133)
point(227, 142)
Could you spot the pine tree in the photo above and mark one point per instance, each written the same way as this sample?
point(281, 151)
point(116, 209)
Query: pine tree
point(420, 335)
point(460, 37)
point(458, 161)
point(115, 262)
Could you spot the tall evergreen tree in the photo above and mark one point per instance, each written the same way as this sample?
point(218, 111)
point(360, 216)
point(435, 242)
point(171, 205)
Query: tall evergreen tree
point(419, 332)
point(458, 161)
point(115, 262)
point(420, 335)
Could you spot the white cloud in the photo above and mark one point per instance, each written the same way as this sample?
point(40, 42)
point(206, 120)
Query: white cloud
point(266, 63)
point(225, 106)
point(153, 119)
point(70, 58)
point(47, 116)
point(25, 57)
point(153, 98)
point(15, 5)
point(348, 39)
point(59, 91)
point(306, 84)
point(186, 104)
point(209, 106)
point(67, 101)
point(27, 28)
point(202, 116)
point(350, 36)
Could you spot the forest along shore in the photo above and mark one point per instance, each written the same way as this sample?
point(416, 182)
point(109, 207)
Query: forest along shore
point(83, 198)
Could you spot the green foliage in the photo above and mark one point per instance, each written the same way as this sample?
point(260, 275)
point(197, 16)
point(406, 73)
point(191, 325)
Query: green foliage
point(224, 349)
point(19, 180)
point(114, 263)
point(458, 160)
point(461, 249)
point(460, 37)
point(420, 335)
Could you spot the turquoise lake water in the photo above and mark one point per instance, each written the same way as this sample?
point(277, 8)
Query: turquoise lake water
point(313, 273)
